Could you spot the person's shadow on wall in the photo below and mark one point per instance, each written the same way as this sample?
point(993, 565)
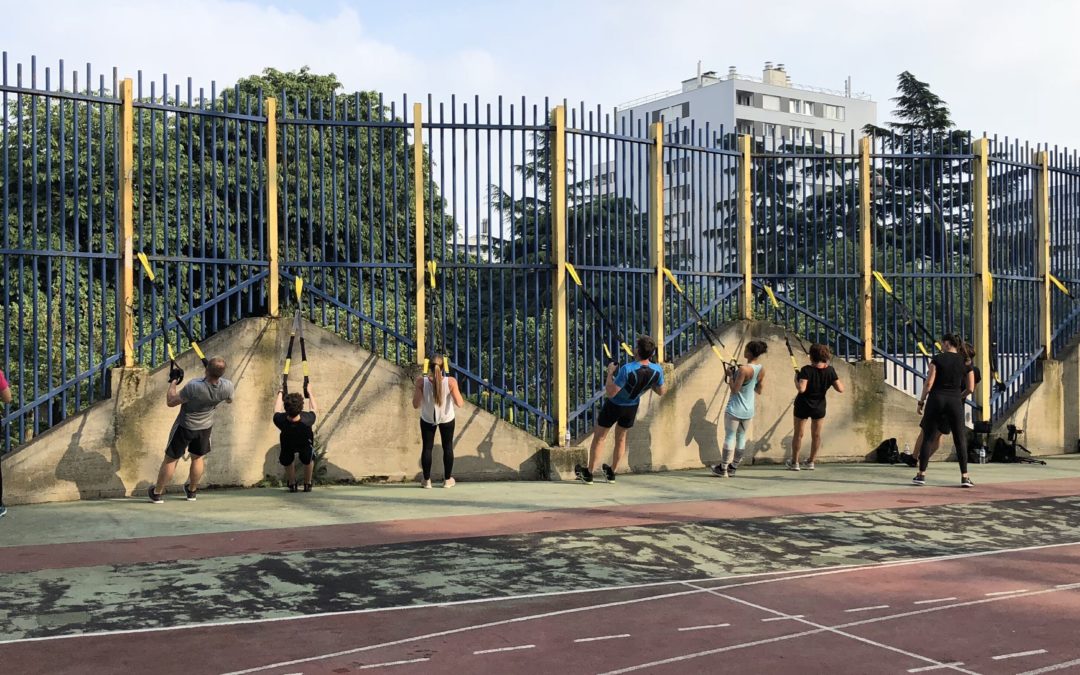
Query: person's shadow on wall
point(705, 433)
point(94, 476)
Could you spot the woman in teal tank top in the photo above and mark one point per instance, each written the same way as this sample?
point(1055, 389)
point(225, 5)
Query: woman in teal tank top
point(746, 383)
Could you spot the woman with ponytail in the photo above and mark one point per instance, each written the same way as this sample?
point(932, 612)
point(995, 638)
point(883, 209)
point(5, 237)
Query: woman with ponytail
point(437, 396)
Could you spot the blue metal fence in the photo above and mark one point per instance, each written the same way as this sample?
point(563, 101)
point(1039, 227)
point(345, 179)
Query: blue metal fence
point(346, 224)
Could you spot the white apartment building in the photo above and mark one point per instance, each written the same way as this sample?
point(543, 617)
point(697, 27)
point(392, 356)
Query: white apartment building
point(770, 108)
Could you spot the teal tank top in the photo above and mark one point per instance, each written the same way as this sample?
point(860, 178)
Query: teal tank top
point(741, 405)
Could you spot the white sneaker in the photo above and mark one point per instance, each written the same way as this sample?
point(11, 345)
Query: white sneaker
point(791, 466)
point(449, 483)
point(426, 484)
point(809, 466)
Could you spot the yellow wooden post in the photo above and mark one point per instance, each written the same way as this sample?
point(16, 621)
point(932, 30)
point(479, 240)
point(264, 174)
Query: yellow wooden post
point(981, 269)
point(272, 205)
point(866, 250)
point(127, 220)
point(418, 234)
point(656, 237)
point(1042, 227)
point(746, 229)
point(560, 323)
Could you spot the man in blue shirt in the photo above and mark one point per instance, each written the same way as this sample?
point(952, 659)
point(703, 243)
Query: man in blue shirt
point(624, 389)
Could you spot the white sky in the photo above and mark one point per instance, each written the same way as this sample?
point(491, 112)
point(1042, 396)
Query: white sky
point(1004, 67)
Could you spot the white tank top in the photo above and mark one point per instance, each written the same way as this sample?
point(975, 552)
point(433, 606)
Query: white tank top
point(431, 413)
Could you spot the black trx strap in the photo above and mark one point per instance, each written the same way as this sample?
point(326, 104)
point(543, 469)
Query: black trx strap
point(430, 278)
point(297, 327)
point(715, 342)
point(787, 331)
point(999, 386)
point(176, 373)
point(303, 360)
point(918, 330)
point(180, 321)
point(603, 317)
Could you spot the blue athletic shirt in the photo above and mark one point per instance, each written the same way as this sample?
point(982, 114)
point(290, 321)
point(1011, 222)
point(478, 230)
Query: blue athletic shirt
point(635, 379)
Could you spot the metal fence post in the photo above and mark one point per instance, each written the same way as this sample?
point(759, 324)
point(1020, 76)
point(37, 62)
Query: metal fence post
point(746, 229)
point(983, 282)
point(418, 234)
point(272, 204)
point(560, 324)
point(1042, 233)
point(866, 250)
point(127, 221)
point(656, 237)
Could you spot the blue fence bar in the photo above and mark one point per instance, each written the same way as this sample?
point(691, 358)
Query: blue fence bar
point(922, 222)
point(700, 232)
point(1064, 197)
point(60, 254)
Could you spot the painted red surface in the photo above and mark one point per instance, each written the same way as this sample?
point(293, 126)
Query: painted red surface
point(891, 631)
point(191, 547)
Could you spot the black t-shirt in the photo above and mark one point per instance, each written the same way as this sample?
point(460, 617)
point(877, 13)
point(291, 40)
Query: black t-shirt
point(298, 434)
point(978, 373)
point(818, 381)
point(951, 373)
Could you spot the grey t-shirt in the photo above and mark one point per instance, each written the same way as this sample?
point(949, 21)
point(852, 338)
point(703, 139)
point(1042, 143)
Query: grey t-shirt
point(200, 400)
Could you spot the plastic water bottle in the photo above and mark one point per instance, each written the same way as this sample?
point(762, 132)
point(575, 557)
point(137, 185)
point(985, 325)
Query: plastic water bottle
point(566, 439)
point(982, 455)
point(907, 448)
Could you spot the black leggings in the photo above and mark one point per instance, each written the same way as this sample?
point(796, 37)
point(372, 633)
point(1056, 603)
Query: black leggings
point(446, 432)
point(951, 408)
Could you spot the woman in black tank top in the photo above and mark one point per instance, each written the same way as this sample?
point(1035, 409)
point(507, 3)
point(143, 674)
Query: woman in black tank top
point(948, 383)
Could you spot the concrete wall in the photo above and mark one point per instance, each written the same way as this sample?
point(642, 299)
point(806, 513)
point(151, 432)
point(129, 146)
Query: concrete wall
point(366, 424)
point(370, 431)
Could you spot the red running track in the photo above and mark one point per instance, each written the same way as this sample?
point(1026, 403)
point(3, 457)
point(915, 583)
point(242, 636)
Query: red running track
point(1003, 612)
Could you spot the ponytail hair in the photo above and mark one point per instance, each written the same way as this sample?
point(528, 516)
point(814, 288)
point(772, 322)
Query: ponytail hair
point(437, 375)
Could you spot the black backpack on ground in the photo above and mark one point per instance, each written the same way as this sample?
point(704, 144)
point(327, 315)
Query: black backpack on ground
point(887, 452)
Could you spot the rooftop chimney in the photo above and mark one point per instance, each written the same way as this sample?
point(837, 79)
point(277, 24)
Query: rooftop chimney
point(731, 71)
point(775, 76)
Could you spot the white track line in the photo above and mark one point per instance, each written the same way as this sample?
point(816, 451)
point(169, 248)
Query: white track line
point(1050, 669)
point(990, 595)
point(926, 669)
point(504, 649)
point(715, 625)
point(783, 618)
point(788, 577)
point(392, 663)
point(928, 602)
point(817, 628)
point(1062, 585)
point(1016, 655)
point(603, 637)
point(865, 609)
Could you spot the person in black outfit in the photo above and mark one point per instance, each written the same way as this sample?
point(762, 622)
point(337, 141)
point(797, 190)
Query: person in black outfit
point(813, 381)
point(948, 383)
point(297, 436)
point(944, 428)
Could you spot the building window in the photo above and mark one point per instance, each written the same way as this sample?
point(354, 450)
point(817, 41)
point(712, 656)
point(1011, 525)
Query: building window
point(834, 112)
point(770, 130)
point(795, 107)
point(744, 98)
point(744, 127)
point(770, 102)
point(808, 108)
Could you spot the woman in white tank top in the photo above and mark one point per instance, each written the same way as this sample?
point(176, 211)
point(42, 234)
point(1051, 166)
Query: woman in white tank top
point(437, 397)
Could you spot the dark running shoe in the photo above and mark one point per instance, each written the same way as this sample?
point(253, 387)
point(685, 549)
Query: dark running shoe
point(719, 471)
point(731, 469)
point(154, 497)
point(966, 483)
point(189, 493)
point(609, 473)
point(3, 510)
point(919, 480)
point(583, 474)
point(307, 487)
point(293, 487)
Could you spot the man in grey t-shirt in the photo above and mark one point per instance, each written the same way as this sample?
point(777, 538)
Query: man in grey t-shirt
point(191, 431)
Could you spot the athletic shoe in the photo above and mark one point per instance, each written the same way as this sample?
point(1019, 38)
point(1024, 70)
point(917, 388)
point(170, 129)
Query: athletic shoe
point(809, 466)
point(609, 473)
point(154, 497)
point(791, 466)
point(719, 471)
point(307, 487)
point(3, 511)
point(293, 487)
point(919, 480)
point(966, 483)
point(731, 469)
point(189, 493)
point(583, 474)
point(426, 484)
point(449, 483)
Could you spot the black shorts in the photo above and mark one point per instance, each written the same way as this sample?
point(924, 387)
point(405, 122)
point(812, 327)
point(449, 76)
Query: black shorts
point(610, 414)
point(808, 410)
point(287, 455)
point(194, 441)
